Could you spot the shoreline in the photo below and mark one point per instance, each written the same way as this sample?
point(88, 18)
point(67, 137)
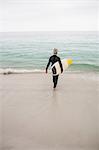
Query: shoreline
point(49, 72)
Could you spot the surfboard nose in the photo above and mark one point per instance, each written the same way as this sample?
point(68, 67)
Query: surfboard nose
point(70, 61)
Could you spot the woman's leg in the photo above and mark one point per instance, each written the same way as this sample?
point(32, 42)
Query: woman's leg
point(55, 80)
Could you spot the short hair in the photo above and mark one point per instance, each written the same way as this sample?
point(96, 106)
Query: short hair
point(55, 51)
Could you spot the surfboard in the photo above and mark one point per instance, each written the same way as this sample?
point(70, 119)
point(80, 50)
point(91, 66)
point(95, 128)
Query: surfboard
point(56, 70)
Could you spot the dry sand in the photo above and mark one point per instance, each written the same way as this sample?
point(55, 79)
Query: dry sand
point(35, 117)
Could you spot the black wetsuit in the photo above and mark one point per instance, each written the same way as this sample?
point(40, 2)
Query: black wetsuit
point(53, 59)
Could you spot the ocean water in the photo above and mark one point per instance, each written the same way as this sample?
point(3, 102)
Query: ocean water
point(29, 51)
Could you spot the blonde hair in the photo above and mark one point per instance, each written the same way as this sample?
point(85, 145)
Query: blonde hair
point(55, 51)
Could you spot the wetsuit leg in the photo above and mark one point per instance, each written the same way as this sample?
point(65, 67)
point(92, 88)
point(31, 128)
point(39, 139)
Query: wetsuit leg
point(55, 80)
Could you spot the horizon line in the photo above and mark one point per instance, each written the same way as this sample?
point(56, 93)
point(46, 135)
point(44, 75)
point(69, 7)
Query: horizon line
point(52, 31)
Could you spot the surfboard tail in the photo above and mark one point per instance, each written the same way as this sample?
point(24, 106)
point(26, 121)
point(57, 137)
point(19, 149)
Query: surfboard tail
point(69, 61)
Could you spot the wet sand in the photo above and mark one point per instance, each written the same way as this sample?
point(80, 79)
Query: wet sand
point(33, 116)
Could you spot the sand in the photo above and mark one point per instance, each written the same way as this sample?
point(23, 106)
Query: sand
point(33, 116)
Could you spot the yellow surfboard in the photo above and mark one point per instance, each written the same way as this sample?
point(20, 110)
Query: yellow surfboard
point(56, 70)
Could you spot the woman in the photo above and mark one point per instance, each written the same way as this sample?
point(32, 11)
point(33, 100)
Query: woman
point(53, 59)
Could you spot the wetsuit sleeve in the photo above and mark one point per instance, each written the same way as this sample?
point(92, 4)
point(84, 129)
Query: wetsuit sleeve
point(60, 65)
point(48, 64)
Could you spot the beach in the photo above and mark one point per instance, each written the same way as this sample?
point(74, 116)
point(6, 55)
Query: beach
point(36, 117)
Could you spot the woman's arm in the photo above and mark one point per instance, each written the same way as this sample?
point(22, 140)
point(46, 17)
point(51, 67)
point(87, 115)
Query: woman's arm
point(47, 65)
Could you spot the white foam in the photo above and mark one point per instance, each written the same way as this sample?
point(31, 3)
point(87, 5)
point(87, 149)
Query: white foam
point(20, 71)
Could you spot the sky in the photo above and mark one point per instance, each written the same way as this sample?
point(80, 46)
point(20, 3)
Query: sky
point(49, 15)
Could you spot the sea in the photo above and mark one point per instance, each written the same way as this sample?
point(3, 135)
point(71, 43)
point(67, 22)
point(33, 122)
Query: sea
point(28, 52)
